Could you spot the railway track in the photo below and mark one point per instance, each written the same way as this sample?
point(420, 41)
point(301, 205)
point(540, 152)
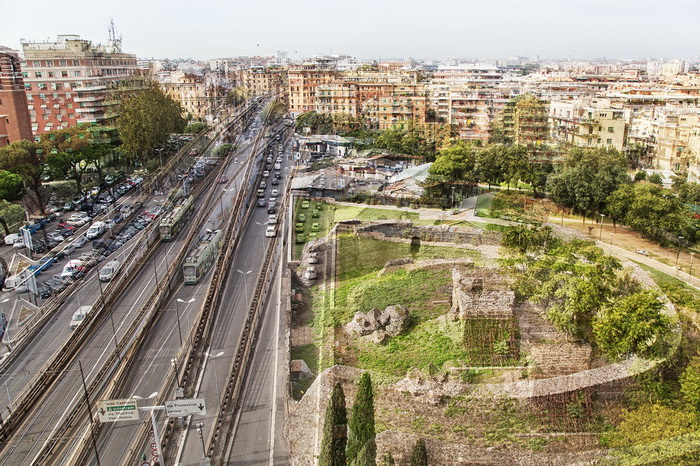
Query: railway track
point(58, 365)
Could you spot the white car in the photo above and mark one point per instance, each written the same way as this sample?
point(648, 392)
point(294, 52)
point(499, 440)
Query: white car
point(79, 316)
point(274, 193)
point(272, 219)
point(270, 232)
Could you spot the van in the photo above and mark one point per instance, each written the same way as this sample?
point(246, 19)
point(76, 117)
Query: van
point(12, 238)
point(73, 267)
point(109, 271)
point(79, 316)
point(96, 229)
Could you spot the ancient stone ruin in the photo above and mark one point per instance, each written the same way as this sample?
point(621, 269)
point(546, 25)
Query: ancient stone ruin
point(378, 325)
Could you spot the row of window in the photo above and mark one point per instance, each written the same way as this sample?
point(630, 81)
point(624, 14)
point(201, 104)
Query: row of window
point(53, 74)
point(103, 62)
point(54, 86)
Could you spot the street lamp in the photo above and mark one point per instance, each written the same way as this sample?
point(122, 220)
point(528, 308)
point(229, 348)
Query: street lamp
point(690, 274)
point(200, 431)
point(154, 424)
point(678, 251)
point(611, 240)
point(216, 377)
point(600, 236)
point(177, 310)
point(173, 363)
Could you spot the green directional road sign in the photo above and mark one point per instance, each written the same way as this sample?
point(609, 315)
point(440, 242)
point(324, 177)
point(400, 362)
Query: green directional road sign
point(117, 410)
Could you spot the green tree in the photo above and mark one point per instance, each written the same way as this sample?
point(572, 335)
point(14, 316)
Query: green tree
point(24, 158)
point(11, 215)
point(650, 423)
point(11, 186)
point(419, 455)
point(633, 324)
point(334, 430)
point(195, 128)
point(361, 425)
point(690, 383)
point(650, 209)
point(367, 456)
point(587, 178)
point(146, 119)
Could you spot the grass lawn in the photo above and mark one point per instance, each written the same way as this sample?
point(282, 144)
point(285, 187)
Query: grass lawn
point(360, 212)
point(425, 293)
point(360, 255)
point(679, 292)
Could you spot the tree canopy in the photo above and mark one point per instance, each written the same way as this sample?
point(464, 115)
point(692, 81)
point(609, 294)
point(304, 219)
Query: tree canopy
point(587, 178)
point(361, 425)
point(146, 119)
point(334, 430)
point(24, 158)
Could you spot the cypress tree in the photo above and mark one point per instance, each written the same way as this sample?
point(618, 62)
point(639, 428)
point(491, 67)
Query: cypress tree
point(419, 455)
point(362, 423)
point(367, 456)
point(334, 430)
point(388, 459)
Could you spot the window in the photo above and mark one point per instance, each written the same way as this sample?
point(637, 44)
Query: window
point(36, 63)
point(49, 63)
point(52, 74)
point(25, 74)
point(27, 87)
point(609, 141)
point(63, 63)
point(42, 86)
point(76, 74)
point(611, 129)
point(37, 74)
point(76, 62)
point(64, 74)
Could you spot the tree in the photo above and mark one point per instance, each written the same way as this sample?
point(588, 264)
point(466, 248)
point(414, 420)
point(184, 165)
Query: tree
point(367, 455)
point(650, 423)
point(361, 425)
point(587, 178)
point(690, 383)
point(651, 210)
point(334, 430)
point(419, 455)
point(146, 119)
point(632, 324)
point(10, 214)
point(24, 158)
point(456, 163)
point(11, 186)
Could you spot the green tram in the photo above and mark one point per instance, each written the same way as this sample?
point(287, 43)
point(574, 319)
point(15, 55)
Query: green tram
point(173, 221)
point(201, 257)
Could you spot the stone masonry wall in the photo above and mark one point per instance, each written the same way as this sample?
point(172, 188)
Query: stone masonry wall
point(433, 233)
point(480, 293)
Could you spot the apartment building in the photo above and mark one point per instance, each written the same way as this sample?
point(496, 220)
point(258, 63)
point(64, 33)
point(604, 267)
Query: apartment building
point(189, 89)
point(15, 123)
point(577, 123)
point(405, 103)
point(68, 81)
point(262, 81)
point(303, 82)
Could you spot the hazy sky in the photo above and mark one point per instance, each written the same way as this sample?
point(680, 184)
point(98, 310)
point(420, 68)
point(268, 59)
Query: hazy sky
point(368, 28)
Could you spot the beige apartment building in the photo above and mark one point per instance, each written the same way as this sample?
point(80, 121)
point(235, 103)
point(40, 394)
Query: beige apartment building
point(190, 90)
point(262, 81)
point(574, 123)
point(303, 82)
point(68, 81)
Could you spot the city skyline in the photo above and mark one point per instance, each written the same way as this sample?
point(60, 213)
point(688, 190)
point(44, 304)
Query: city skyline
point(547, 29)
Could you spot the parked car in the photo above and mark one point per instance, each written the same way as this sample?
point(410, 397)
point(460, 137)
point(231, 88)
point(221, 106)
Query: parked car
point(43, 291)
point(270, 231)
point(80, 241)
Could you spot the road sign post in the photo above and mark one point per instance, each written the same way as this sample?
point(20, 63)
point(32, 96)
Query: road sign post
point(182, 408)
point(117, 410)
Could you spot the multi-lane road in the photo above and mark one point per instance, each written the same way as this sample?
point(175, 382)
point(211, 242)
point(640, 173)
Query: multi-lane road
point(168, 334)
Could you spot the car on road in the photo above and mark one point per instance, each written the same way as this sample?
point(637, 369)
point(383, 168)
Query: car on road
point(266, 174)
point(109, 271)
point(261, 202)
point(270, 231)
point(79, 316)
point(56, 284)
point(271, 209)
point(222, 179)
point(272, 219)
point(274, 182)
point(80, 241)
point(274, 193)
point(643, 252)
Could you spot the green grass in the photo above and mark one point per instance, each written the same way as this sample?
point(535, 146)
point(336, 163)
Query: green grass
point(680, 293)
point(359, 212)
point(427, 344)
point(361, 255)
